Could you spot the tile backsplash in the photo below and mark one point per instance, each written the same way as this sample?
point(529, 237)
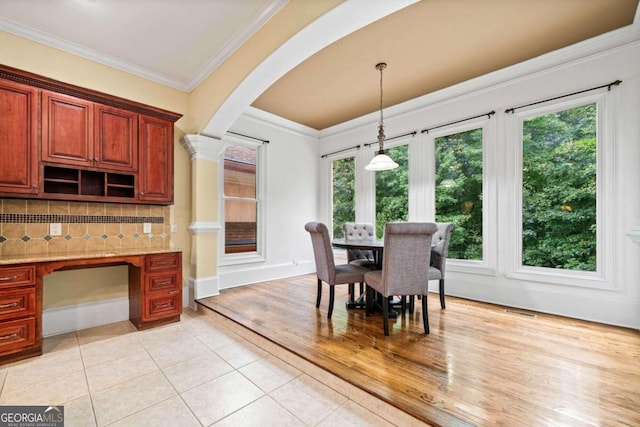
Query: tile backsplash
point(24, 226)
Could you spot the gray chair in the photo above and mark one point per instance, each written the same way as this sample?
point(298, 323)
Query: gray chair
point(365, 258)
point(439, 252)
point(405, 267)
point(326, 269)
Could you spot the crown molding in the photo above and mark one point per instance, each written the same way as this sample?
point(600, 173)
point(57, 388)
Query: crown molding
point(263, 117)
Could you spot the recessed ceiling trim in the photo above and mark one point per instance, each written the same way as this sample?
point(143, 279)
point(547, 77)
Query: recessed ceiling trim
point(269, 119)
point(566, 56)
point(244, 34)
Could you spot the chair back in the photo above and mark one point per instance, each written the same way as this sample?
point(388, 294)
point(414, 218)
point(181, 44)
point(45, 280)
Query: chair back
point(407, 253)
point(359, 231)
point(440, 244)
point(322, 251)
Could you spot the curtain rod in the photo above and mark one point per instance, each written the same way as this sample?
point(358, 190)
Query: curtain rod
point(489, 114)
point(357, 147)
point(608, 86)
point(369, 144)
point(266, 141)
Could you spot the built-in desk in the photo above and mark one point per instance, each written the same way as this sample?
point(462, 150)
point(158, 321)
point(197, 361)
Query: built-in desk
point(155, 292)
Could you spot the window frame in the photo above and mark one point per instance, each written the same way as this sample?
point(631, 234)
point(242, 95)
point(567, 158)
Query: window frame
point(259, 255)
point(602, 277)
point(486, 266)
point(332, 158)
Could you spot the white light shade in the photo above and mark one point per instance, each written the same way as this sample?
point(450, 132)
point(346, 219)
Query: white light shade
point(381, 162)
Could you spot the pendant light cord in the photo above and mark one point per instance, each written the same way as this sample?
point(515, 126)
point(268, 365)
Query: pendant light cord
point(381, 66)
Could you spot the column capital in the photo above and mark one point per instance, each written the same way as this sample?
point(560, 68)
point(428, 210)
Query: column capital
point(202, 147)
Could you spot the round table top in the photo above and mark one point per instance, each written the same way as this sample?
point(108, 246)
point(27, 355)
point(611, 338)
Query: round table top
point(358, 244)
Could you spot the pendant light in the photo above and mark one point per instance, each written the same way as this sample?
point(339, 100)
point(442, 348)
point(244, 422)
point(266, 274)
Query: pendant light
point(381, 162)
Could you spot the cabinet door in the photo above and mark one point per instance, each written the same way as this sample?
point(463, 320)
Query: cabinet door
point(18, 138)
point(155, 160)
point(116, 138)
point(67, 129)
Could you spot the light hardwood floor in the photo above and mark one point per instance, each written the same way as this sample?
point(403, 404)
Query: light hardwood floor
point(482, 364)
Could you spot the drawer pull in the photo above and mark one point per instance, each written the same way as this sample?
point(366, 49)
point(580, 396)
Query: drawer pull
point(4, 279)
point(164, 283)
point(8, 337)
point(162, 263)
point(13, 304)
point(164, 305)
point(173, 292)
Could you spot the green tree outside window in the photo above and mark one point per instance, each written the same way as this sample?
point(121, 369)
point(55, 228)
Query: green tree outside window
point(559, 190)
point(343, 195)
point(392, 190)
point(459, 191)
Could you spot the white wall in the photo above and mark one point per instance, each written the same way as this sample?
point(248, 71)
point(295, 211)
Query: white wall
point(617, 300)
point(291, 200)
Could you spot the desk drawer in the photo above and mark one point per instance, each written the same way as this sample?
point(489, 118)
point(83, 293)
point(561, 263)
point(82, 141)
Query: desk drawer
point(159, 262)
point(161, 282)
point(17, 276)
point(17, 303)
point(17, 334)
point(158, 307)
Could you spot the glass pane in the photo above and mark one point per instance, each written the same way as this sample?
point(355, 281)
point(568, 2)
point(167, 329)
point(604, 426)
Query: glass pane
point(344, 185)
point(240, 172)
point(559, 190)
point(240, 227)
point(392, 190)
point(459, 191)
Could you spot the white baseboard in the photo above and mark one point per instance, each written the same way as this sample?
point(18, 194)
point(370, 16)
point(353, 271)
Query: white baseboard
point(56, 321)
point(231, 278)
point(202, 287)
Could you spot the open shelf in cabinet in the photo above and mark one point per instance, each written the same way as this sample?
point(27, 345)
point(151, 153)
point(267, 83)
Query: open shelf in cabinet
point(87, 184)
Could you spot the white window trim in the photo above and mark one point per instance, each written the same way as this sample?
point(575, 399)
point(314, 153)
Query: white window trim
point(603, 277)
point(260, 254)
point(486, 266)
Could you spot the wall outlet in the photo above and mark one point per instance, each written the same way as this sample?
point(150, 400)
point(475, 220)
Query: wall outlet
point(55, 229)
point(174, 228)
point(146, 228)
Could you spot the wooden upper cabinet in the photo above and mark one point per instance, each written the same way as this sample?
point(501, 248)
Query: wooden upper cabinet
point(18, 138)
point(116, 138)
point(155, 173)
point(67, 130)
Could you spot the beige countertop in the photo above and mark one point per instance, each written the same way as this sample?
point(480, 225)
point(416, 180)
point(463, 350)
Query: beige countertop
point(58, 256)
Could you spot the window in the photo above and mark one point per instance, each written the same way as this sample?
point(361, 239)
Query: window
point(459, 191)
point(392, 190)
point(240, 199)
point(343, 182)
point(559, 182)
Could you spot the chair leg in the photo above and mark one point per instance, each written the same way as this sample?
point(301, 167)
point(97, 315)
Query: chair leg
point(319, 293)
point(403, 304)
point(351, 292)
point(385, 315)
point(425, 315)
point(368, 301)
point(442, 293)
point(412, 304)
point(361, 288)
point(332, 294)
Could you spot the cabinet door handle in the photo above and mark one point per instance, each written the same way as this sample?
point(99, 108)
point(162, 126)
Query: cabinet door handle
point(34, 186)
point(91, 159)
point(8, 337)
point(13, 304)
point(97, 159)
point(4, 279)
point(142, 193)
point(173, 292)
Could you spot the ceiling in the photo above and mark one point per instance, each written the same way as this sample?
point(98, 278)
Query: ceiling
point(428, 46)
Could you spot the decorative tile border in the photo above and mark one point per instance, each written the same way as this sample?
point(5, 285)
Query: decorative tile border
point(19, 218)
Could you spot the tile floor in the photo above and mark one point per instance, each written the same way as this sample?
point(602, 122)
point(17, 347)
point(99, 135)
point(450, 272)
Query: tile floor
point(205, 370)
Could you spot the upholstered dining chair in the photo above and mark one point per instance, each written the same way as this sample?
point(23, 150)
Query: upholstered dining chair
point(405, 267)
point(326, 269)
point(365, 258)
point(439, 252)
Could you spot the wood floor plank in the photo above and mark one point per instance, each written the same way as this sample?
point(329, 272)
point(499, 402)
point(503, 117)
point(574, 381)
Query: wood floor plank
point(482, 364)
